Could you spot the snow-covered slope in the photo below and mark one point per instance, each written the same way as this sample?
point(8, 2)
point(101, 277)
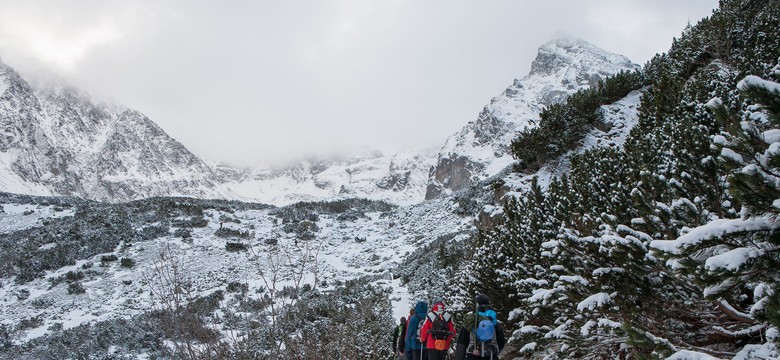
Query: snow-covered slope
point(481, 149)
point(343, 248)
point(400, 179)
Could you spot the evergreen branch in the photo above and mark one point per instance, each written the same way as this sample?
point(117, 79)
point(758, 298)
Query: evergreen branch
point(733, 313)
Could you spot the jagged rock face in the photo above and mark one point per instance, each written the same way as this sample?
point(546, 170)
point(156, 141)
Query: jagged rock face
point(27, 149)
point(57, 140)
point(454, 173)
point(481, 149)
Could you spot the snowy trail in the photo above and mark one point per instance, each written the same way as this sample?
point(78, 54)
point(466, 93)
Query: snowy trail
point(400, 300)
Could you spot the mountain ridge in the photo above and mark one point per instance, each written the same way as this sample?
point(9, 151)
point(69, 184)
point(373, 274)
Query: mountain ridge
point(110, 152)
point(480, 149)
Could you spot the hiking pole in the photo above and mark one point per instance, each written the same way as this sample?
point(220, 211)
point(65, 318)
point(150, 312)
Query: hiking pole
point(474, 330)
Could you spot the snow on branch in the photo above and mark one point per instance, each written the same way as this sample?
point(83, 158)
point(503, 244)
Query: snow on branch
point(752, 80)
point(690, 355)
point(732, 259)
point(713, 229)
point(733, 313)
point(594, 301)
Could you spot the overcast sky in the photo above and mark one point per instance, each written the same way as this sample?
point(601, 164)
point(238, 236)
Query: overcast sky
point(253, 81)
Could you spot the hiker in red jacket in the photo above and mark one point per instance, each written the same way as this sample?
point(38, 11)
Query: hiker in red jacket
point(437, 332)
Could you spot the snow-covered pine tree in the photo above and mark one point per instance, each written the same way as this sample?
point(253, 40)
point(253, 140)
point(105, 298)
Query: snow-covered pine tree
point(737, 258)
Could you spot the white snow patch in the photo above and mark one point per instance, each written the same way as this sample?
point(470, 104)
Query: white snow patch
point(719, 139)
point(714, 103)
point(713, 229)
point(752, 80)
point(772, 136)
point(767, 351)
point(727, 153)
point(690, 355)
point(732, 259)
point(594, 301)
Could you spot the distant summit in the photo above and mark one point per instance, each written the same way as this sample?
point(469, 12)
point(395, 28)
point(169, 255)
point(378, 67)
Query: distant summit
point(562, 66)
point(566, 52)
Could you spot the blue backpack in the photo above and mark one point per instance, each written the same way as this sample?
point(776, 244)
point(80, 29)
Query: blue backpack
point(483, 335)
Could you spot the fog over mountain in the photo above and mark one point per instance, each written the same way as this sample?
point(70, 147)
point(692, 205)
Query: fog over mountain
point(267, 82)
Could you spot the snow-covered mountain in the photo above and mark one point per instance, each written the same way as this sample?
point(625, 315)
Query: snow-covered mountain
point(562, 66)
point(56, 140)
point(400, 179)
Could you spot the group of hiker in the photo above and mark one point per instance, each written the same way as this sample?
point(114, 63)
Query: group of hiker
point(428, 334)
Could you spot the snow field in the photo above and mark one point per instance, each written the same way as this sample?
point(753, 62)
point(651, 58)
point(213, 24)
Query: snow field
point(114, 291)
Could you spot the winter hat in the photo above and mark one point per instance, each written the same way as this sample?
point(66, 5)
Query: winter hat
point(438, 305)
point(403, 319)
point(482, 299)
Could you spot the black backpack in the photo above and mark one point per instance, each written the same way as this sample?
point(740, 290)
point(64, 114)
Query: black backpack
point(440, 325)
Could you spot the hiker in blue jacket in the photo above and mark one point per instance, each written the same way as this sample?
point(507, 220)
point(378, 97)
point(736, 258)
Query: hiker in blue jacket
point(413, 343)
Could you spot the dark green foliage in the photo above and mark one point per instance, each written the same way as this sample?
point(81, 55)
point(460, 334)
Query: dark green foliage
point(23, 294)
point(92, 230)
point(124, 337)
point(153, 232)
point(352, 322)
point(105, 259)
point(190, 222)
point(30, 323)
point(430, 269)
point(208, 304)
point(310, 210)
point(127, 262)
point(96, 228)
point(226, 232)
point(183, 233)
point(62, 202)
point(75, 288)
point(72, 276)
point(574, 265)
point(305, 229)
point(237, 287)
point(186, 324)
point(69, 277)
point(749, 278)
point(235, 246)
point(562, 126)
point(226, 218)
point(619, 85)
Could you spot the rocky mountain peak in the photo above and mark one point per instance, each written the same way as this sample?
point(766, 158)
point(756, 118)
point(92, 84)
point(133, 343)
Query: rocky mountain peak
point(562, 66)
point(566, 53)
